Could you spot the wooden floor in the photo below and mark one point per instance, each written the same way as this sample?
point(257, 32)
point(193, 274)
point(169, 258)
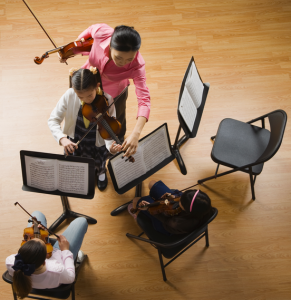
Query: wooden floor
point(243, 49)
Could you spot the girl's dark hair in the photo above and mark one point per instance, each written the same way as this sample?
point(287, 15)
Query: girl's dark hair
point(32, 252)
point(84, 79)
point(125, 39)
point(201, 205)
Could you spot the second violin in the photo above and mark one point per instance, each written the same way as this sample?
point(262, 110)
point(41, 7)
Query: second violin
point(168, 205)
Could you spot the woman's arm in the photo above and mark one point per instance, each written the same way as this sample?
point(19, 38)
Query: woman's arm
point(144, 104)
point(130, 144)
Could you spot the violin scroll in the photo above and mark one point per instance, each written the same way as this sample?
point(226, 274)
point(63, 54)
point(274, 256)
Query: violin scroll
point(38, 60)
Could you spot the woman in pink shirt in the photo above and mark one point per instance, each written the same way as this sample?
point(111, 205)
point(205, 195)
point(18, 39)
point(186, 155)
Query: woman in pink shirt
point(115, 53)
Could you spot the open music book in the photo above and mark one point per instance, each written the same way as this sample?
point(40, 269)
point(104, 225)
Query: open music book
point(191, 97)
point(154, 152)
point(53, 174)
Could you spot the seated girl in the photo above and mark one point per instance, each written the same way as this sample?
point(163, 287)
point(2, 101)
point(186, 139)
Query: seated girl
point(195, 204)
point(31, 268)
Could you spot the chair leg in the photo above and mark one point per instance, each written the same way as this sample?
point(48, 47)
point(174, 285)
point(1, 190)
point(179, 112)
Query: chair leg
point(252, 184)
point(207, 237)
point(162, 265)
point(217, 175)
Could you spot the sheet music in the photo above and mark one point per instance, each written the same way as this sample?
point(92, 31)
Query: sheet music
point(155, 148)
point(51, 175)
point(187, 109)
point(151, 151)
point(125, 171)
point(41, 173)
point(194, 85)
point(192, 97)
point(73, 177)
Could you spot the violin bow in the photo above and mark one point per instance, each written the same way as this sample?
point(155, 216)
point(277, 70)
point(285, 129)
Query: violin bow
point(50, 38)
point(36, 219)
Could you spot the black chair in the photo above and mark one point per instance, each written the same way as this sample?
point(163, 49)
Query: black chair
point(172, 246)
point(245, 147)
point(61, 292)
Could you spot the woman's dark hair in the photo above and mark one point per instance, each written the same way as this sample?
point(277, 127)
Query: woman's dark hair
point(201, 205)
point(84, 79)
point(125, 39)
point(32, 252)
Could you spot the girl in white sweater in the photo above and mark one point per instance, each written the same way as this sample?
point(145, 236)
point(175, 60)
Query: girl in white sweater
point(85, 87)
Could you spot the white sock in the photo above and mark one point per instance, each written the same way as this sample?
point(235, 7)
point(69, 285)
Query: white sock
point(101, 177)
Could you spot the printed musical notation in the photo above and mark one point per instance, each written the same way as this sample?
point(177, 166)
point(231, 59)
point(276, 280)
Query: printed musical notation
point(53, 174)
point(152, 150)
point(192, 97)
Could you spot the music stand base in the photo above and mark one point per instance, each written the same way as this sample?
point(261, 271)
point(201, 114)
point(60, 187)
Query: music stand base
point(123, 207)
point(67, 213)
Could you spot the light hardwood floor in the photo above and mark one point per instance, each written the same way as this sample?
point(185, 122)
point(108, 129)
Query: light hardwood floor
point(243, 49)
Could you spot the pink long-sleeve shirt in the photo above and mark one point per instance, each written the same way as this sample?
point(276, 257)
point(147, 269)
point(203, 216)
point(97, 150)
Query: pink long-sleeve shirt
point(115, 79)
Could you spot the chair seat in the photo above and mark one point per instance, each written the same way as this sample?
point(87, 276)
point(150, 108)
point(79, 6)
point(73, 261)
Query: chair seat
point(146, 224)
point(238, 144)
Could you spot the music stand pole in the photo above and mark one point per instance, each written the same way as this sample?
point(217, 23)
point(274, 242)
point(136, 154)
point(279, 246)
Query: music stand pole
point(68, 213)
point(119, 209)
point(175, 150)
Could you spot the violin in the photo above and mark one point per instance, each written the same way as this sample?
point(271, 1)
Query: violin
point(166, 205)
point(30, 233)
point(108, 126)
point(69, 50)
point(66, 51)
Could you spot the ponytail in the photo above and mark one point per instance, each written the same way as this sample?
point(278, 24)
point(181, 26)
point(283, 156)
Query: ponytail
point(30, 257)
point(21, 284)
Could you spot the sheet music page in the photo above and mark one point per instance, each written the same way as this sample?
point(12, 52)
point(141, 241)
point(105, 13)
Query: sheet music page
point(41, 173)
point(155, 148)
point(126, 171)
point(73, 177)
point(187, 109)
point(194, 85)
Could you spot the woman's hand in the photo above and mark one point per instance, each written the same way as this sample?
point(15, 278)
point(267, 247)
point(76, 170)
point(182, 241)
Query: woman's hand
point(115, 148)
point(130, 144)
point(68, 145)
point(63, 243)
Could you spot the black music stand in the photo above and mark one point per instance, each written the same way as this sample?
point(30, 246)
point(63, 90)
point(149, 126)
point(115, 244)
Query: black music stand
point(182, 125)
point(67, 212)
point(175, 149)
point(137, 182)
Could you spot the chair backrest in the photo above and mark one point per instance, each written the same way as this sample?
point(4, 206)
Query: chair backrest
point(61, 292)
point(277, 120)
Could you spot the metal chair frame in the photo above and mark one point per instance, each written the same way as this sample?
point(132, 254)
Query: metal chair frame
point(248, 166)
point(194, 237)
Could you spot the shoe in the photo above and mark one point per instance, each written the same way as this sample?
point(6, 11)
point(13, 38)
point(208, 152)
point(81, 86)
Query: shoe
point(81, 256)
point(102, 184)
point(129, 207)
